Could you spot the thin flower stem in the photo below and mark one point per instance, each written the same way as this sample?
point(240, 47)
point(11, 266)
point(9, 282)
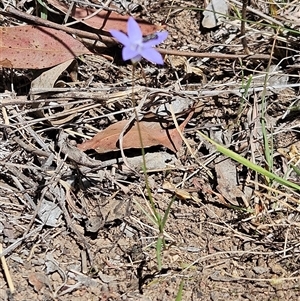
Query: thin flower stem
point(144, 167)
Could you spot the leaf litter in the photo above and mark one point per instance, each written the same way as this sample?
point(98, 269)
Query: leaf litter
point(99, 245)
point(101, 19)
point(152, 134)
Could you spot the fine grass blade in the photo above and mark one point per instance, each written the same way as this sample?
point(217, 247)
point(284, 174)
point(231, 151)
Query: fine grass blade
point(159, 246)
point(180, 291)
point(236, 157)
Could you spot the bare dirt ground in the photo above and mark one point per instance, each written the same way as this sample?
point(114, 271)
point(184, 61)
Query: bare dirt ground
point(74, 229)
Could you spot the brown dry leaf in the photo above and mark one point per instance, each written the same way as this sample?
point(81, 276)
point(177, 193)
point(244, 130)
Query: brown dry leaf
point(38, 281)
point(36, 47)
point(152, 134)
point(180, 193)
point(104, 21)
point(292, 154)
point(180, 62)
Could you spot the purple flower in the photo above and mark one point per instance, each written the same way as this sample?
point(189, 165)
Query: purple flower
point(135, 47)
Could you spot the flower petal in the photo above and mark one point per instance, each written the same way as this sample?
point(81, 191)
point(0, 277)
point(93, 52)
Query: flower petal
point(120, 36)
point(128, 53)
point(134, 32)
point(161, 36)
point(152, 55)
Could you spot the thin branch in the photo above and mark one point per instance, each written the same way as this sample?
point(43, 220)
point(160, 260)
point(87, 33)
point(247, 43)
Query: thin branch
point(7, 273)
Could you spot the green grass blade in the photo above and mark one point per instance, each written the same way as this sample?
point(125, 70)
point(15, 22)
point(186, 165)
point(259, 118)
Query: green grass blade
point(159, 245)
point(165, 217)
point(236, 157)
point(43, 9)
point(180, 291)
point(268, 151)
point(296, 169)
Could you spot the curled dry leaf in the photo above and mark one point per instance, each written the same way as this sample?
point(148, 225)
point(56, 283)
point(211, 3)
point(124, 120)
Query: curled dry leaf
point(152, 134)
point(103, 20)
point(38, 281)
point(36, 47)
point(47, 80)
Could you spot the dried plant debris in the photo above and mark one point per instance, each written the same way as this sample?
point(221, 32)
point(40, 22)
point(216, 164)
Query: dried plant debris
point(101, 19)
point(81, 218)
point(151, 134)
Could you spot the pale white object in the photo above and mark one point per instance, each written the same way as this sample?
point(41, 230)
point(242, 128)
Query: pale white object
point(214, 13)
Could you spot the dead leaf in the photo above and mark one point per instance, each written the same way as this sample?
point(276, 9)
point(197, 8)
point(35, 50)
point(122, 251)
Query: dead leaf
point(104, 20)
point(152, 134)
point(180, 193)
point(36, 47)
point(46, 80)
point(180, 62)
point(227, 180)
point(38, 281)
point(292, 154)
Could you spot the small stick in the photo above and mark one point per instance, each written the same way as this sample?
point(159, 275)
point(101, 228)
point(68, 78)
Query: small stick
point(84, 268)
point(215, 55)
point(6, 272)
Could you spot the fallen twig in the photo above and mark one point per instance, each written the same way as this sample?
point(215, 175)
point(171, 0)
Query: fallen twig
point(7, 273)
